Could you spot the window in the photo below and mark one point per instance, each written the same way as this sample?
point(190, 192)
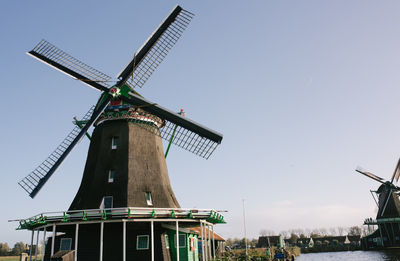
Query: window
point(65, 244)
point(182, 240)
point(114, 143)
point(107, 202)
point(148, 199)
point(111, 173)
point(142, 242)
point(166, 241)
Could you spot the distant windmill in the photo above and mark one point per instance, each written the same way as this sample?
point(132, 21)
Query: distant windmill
point(388, 200)
point(388, 216)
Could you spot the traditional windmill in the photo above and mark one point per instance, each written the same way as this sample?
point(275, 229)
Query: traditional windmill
point(125, 177)
point(388, 216)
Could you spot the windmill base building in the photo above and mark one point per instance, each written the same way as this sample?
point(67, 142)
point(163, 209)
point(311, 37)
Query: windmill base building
point(125, 208)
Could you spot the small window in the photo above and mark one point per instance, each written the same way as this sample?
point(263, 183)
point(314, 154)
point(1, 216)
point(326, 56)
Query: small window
point(111, 173)
point(142, 242)
point(65, 244)
point(182, 240)
point(106, 203)
point(148, 199)
point(166, 241)
point(114, 143)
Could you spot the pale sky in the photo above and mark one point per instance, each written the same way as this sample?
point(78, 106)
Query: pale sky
point(303, 92)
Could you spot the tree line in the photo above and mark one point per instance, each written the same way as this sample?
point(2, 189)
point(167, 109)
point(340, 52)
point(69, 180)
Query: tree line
point(320, 232)
point(19, 247)
point(293, 234)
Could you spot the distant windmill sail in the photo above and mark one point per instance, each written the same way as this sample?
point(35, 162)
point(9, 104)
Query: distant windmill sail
point(396, 172)
point(369, 174)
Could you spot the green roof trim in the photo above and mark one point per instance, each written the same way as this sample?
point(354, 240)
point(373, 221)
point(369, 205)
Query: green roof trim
point(34, 222)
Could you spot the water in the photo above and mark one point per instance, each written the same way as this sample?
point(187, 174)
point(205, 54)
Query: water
point(392, 255)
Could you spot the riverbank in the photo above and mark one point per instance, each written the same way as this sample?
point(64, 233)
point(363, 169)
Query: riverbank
point(324, 249)
point(258, 254)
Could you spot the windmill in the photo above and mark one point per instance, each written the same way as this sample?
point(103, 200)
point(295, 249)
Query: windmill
point(188, 134)
point(388, 203)
point(125, 174)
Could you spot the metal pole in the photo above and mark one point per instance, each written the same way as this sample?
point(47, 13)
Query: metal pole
point(387, 232)
point(30, 250)
point(44, 243)
point(209, 241)
point(213, 240)
point(101, 240)
point(177, 241)
point(244, 225)
point(152, 240)
point(76, 242)
point(202, 240)
point(53, 239)
point(124, 240)
point(394, 237)
point(37, 244)
point(380, 232)
point(205, 242)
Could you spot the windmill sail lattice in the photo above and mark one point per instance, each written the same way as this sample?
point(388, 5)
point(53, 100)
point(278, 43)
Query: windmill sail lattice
point(188, 140)
point(182, 137)
point(156, 48)
point(53, 56)
point(184, 132)
point(30, 182)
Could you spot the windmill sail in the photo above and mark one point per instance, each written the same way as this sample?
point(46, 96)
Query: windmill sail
point(155, 49)
point(369, 175)
point(188, 134)
point(396, 172)
point(48, 53)
point(38, 177)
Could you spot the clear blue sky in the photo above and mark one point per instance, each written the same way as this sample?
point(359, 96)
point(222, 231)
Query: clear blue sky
point(303, 91)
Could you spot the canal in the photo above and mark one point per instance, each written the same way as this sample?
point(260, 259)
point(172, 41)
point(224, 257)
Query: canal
point(392, 255)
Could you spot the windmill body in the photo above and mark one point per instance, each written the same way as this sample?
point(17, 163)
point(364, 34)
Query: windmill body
point(125, 163)
point(388, 202)
point(125, 208)
point(387, 219)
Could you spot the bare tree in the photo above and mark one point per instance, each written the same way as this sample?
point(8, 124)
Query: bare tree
point(354, 231)
point(315, 233)
point(364, 231)
point(323, 231)
point(266, 232)
point(333, 231)
point(341, 231)
point(285, 234)
point(307, 232)
point(300, 231)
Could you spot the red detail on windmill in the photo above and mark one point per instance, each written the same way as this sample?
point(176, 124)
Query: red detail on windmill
point(116, 102)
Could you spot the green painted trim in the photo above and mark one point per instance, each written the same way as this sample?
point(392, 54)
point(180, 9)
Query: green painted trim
point(39, 220)
point(172, 137)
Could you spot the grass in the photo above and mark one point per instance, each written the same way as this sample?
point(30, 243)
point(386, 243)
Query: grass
point(9, 258)
point(14, 258)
